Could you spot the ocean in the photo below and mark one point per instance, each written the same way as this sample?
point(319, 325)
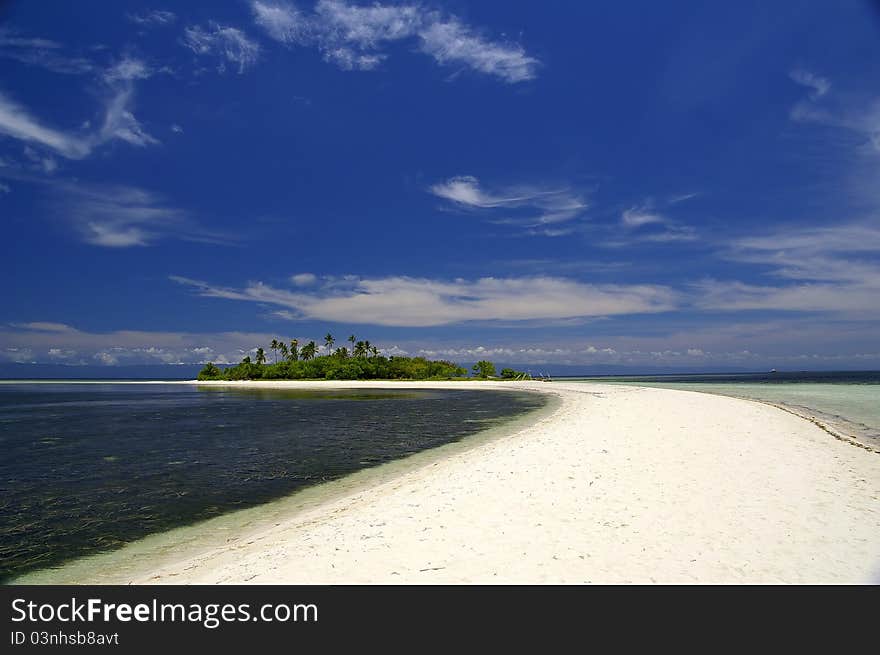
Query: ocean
point(846, 401)
point(88, 468)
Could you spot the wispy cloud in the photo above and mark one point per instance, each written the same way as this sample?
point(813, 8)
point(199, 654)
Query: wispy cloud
point(352, 36)
point(641, 216)
point(128, 69)
point(421, 302)
point(825, 269)
point(227, 44)
point(16, 122)
point(818, 85)
point(119, 216)
point(822, 108)
point(530, 207)
point(119, 123)
point(645, 223)
point(43, 53)
point(40, 161)
point(683, 197)
point(153, 18)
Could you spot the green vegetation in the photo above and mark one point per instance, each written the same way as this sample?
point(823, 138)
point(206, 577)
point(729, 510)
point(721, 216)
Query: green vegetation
point(362, 361)
point(484, 369)
point(510, 374)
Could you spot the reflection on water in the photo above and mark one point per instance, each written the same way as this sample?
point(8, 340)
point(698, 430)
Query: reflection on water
point(89, 468)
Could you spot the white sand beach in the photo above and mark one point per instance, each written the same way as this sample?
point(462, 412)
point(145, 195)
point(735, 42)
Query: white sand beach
point(616, 485)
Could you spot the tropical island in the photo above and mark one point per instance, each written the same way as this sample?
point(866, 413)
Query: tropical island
point(360, 361)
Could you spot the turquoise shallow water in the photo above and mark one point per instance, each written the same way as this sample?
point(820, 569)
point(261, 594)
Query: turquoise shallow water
point(848, 402)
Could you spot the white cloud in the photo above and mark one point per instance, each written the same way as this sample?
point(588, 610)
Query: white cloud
point(420, 302)
point(351, 36)
point(646, 224)
point(819, 85)
point(17, 355)
point(43, 326)
point(682, 197)
point(61, 354)
point(153, 18)
point(39, 161)
point(451, 42)
point(127, 69)
point(639, 216)
point(827, 269)
point(128, 347)
point(176, 128)
point(821, 108)
point(118, 216)
point(17, 123)
point(752, 345)
point(738, 296)
point(106, 358)
point(303, 279)
point(4, 188)
point(43, 53)
point(666, 350)
point(119, 123)
point(527, 206)
point(282, 21)
point(228, 44)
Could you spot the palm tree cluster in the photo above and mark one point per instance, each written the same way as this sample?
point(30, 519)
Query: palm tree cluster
point(295, 353)
point(361, 360)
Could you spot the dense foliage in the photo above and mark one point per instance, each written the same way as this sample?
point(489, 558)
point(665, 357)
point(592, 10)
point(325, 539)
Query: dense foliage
point(361, 361)
point(484, 369)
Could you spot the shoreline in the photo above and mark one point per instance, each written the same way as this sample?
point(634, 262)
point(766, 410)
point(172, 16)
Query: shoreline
point(617, 484)
point(831, 425)
point(162, 548)
point(822, 423)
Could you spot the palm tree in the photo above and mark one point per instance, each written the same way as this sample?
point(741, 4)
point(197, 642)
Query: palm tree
point(360, 349)
point(308, 351)
point(283, 348)
point(294, 350)
point(368, 348)
point(375, 351)
point(274, 347)
point(351, 340)
point(329, 340)
point(261, 357)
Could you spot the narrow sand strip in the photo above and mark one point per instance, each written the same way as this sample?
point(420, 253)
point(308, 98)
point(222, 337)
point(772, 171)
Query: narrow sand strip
point(619, 485)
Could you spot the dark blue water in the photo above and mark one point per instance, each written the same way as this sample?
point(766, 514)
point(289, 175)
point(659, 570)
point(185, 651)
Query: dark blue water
point(89, 467)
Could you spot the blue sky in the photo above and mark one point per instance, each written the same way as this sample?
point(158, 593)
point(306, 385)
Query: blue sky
point(635, 184)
